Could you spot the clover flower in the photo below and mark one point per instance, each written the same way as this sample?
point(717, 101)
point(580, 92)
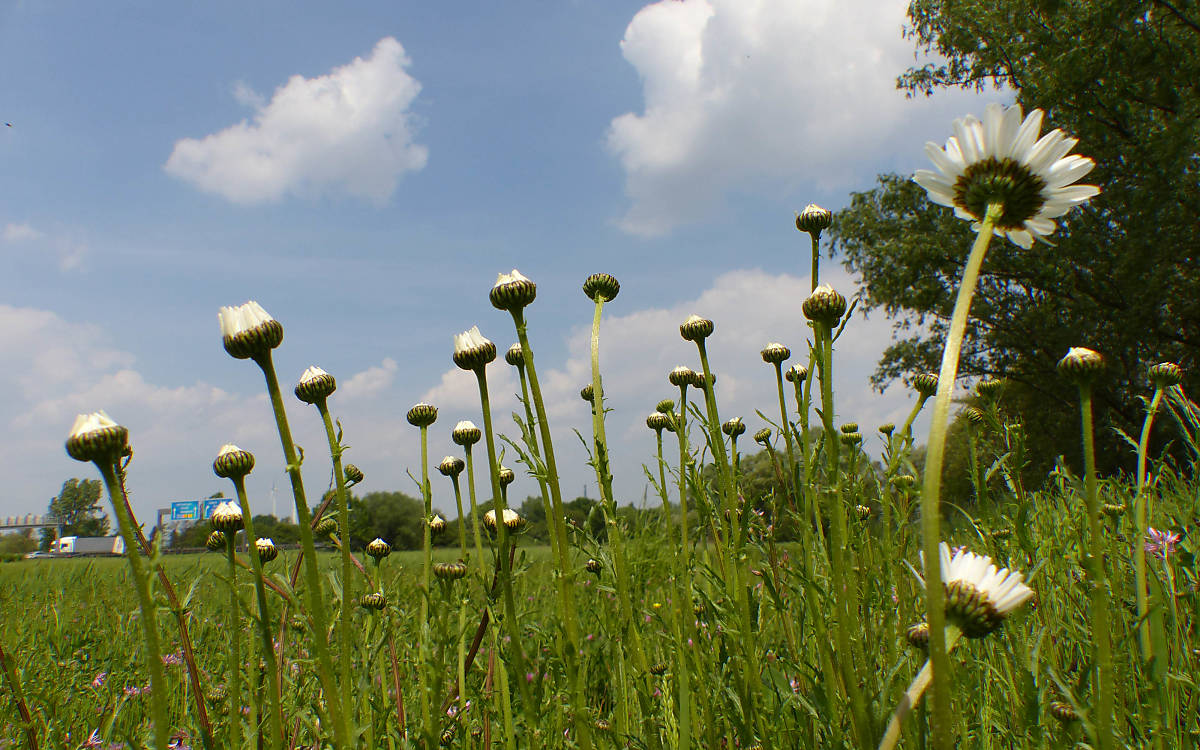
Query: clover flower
point(978, 596)
point(1000, 159)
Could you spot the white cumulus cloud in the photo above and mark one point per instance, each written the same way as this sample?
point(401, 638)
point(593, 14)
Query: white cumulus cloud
point(755, 94)
point(21, 233)
point(349, 131)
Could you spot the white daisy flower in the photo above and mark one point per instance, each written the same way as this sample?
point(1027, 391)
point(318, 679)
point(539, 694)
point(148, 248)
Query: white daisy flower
point(1001, 159)
point(978, 596)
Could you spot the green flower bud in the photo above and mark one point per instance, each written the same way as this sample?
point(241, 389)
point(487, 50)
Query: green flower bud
point(95, 437)
point(233, 462)
point(249, 331)
point(422, 415)
point(450, 571)
point(1081, 365)
point(515, 356)
point(375, 601)
point(378, 549)
point(506, 476)
point(593, 566)
point(327, 526)
point(666, 406)
point(227, 517)
point(763, 436)
point(451, 466)
point(696, 328)
point(681, 376)
point(601, 285)
point(472, 351)
point(918, 635)
point(813, 219)
point(658, 421)
point(849, 427)
point(315, 385)
point(466, 433)
point(437, 525)
point(266, 550)
point(215, 541)
point(824, 306)
point(925, 383)
point(886, 429)
point(774, 353)
point(733, 427)
point(512, 291)
point(990, 389)
point(1166, 374)
point(353, 474)
point(796, 374)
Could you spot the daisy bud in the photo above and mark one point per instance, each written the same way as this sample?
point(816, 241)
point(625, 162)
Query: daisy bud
point(451, 466)
point(451, 571)
point(376, 601)
point(904, 482)
point(465, 433)
point(979, 597)
point(1113, 510)
point(422, 415)
point(886, 429)
point(681, 376)
point(215, 541)
point(233, 462)
point(593, 566)
point(353, 474)
point(437, 525)
point(813, 219)
point(796, 374)
point(315, 385)
point(471, 350)
point(1002, 534)
point(763, 436)
point(666, 406)
point(696, 328)
point(974, 415)
point(512, 291)
point(326, 526)
point(585, 393)
point(659, 669)
point(698, 379)
point(248, 330)
point(1063, 712)
point(95, 437)
point(447, 738)
point(506, 476)
point(852, 438)
point(849, 427)
point(227, 517)
point(733, 427)
point(511, 519)
point(918, 635)
point(658, 421)
point(266, 550)
point(990, 389)
point(1166, 374)
point(378, 549)
point(603, 725)
point(515, 356)
point(824, 305)
point(863, 512)
point(774, 353)
point(601, 286)
point(1081, 365)
point(925, 383)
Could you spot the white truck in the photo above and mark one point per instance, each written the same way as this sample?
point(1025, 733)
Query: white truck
point(89, 545)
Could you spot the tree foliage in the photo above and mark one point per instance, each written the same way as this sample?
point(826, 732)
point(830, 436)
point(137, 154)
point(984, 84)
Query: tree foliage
point(1123, 274)
point(78, 508)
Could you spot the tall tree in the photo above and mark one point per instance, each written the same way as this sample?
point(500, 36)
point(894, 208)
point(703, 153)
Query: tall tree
point(1123, 274)
point(78, 508)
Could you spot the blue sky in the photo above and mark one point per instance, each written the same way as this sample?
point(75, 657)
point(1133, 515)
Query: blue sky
point(364, 171)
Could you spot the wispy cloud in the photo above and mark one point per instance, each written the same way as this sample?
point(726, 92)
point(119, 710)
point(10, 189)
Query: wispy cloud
point(69, 252)
point(348, 131)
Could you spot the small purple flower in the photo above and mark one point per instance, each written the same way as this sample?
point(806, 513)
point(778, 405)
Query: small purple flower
point(1161, 544)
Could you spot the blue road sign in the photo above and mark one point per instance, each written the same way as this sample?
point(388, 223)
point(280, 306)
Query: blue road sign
point(185, 510)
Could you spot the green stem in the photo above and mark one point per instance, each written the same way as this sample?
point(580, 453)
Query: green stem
point(141, 583)
point(681, 433)
point(343, 507)
point(1141, 521)
point(264, 615)
point(424, 668)
point(547, 507)
point(843, 589)
point(500, 505)
point(233, 669)
point(566, 577)
point(816, 257)
point(786, 426)
point(475, 519)
point(911, 696)
point(462, 521)
point(1101, 637)
point(940, 719)
point(312, 579)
